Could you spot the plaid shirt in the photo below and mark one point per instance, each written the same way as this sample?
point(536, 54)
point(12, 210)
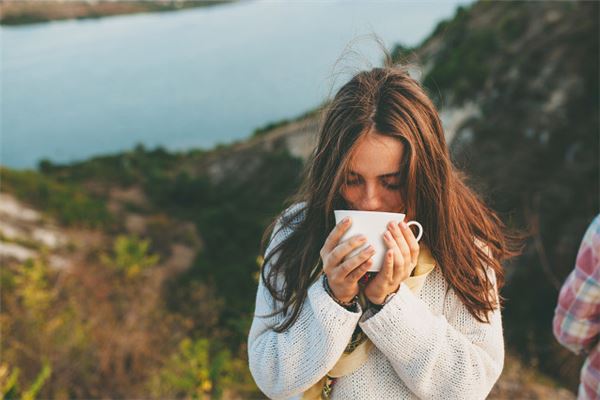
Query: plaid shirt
point(576, 322)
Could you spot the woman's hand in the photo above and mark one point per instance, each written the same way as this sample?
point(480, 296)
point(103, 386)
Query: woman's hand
point(399, 261)
point(343, 276)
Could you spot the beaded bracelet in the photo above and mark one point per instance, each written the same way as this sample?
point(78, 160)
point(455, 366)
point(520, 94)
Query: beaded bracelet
point(378, 307)
point(349, 306)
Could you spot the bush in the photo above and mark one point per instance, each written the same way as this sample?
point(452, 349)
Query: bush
point(69, 203)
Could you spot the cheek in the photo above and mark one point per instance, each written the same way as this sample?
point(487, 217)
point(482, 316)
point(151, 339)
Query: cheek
point(393, 198)
point(396, 197)
point(350, 194)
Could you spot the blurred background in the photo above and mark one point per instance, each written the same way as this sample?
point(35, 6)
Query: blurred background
point(145, 147)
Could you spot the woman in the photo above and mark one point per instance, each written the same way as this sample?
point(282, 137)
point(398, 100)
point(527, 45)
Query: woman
point(381, 148)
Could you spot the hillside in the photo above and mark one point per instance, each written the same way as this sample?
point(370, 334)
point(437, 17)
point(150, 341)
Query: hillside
point(21, 12)
point(531, 145)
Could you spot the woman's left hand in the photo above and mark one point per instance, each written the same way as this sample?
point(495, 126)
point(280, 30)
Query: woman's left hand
point(399, 261)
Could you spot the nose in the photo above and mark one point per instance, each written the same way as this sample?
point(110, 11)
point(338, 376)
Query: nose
point(371, 200)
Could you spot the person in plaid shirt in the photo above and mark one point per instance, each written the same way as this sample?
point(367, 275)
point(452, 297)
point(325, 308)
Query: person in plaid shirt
point(576, 322)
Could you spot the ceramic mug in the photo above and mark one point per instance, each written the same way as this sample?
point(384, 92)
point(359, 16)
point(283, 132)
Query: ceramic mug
point(373, 225)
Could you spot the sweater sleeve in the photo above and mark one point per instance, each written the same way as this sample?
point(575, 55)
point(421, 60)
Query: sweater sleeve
point(288, 363)
point(448, 356)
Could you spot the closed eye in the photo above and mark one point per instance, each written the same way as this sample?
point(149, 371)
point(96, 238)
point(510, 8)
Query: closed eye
point(387, 185)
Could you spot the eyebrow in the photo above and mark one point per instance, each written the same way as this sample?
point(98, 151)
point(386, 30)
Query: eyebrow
point(388, 175)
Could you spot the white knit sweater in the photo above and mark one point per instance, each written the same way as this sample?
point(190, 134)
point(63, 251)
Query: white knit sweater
point(427, 346)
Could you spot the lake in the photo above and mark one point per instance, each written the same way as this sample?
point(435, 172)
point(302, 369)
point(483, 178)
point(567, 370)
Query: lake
point(185, 79)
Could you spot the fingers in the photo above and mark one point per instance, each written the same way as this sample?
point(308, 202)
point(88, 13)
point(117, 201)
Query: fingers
point(344, 248)
point(359, 271)
point(334, 237)
point(349, 266)
point(387, 270)
point(393, 250)
point(400, 241)
point(413, 245)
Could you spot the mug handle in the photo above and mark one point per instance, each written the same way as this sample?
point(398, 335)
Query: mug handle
point(419, 226)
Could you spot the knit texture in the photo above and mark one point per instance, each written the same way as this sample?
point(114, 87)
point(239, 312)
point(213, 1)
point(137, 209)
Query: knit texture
point(427, 346)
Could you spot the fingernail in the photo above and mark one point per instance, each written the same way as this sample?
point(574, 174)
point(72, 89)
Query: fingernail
point(388, 235)
point(345, 220)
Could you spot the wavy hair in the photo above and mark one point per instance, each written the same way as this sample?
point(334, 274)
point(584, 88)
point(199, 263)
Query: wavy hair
point(454, 218)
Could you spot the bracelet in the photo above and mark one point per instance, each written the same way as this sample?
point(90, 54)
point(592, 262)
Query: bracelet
point(351, 304)
point(385, 301)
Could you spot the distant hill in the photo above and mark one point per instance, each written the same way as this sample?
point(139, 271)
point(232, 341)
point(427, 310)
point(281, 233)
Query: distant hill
point(19, 12)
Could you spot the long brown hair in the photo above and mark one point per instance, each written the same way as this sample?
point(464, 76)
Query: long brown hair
point(453, 217)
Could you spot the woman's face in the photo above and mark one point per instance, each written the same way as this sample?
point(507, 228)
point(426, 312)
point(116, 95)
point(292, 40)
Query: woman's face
point(373, 183)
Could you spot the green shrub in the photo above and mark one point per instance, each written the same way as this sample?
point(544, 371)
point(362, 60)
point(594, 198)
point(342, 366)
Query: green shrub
point(69, 203)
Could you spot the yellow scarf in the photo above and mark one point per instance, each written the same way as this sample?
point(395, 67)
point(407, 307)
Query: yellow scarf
point(351, 360)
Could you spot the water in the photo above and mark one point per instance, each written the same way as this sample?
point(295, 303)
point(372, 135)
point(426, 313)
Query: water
point(185, 79)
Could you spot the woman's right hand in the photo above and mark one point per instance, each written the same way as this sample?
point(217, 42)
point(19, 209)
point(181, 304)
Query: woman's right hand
point(343, 275)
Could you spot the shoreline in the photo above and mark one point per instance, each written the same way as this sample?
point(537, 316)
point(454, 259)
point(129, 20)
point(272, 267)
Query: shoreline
point(18, 13)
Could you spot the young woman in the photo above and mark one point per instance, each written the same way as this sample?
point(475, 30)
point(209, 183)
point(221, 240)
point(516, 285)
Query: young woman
point(381, 148)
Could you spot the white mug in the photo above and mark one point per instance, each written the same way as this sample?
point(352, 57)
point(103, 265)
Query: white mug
point(373, 225)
